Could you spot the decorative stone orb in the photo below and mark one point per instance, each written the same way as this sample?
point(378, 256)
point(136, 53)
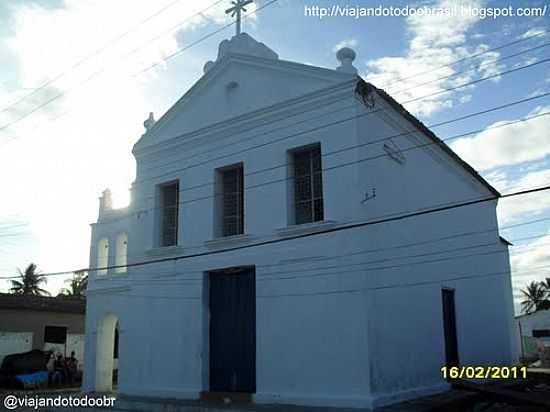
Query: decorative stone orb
point(345, 54)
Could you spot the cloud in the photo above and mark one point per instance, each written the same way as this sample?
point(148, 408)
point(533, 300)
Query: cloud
point(345, 43)
point(529, 262)
point(435, 41)
point(499, 179)
point(48, 100)
point(53, 171)
point(510, 145)
point(534, 31)
point(526, 206)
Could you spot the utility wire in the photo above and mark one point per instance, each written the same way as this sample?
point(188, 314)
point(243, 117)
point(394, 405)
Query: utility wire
point(165, 164)
point(417, 243)
point(398, 80)
point(178, 52)
point(190, 247)
point(441, 281)
point(267, 4)
point(461, 60)
point(368, 251)
point(500, 60)
point(354, 162)
point(96, 73)
point(446, 122)
point(345, 227)
point(364, 266)
point(371, 142)
point(341, 121)
point(104, 47)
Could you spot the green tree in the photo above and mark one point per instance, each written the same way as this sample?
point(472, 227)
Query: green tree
point(29, 282)
point(546, 285)
point(534, 294)
point(77, 285)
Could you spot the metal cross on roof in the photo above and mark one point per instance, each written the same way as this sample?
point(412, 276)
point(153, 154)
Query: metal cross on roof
point(238, 6)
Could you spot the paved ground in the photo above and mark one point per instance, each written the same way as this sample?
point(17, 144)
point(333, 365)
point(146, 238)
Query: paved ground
point(135, 404)
point(468, 399)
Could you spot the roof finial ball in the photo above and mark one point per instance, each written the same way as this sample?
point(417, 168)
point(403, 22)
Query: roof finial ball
point(346, 56)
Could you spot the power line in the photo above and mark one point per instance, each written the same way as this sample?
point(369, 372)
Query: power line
point(363, 265)
point(341, 165)
point(376, 250)
point(293, 124)
point(178, 52)
point(357, 161)
point(267, 4)
point(461, 135)
point(492, 76)
point(441, 281)
point(104, 47)
point(371, 142)
point(273, 141)
point(461, 60)
point(381, 249)
point(419, 212)
point(398, 80)
point(94, 74)
point(500, 60)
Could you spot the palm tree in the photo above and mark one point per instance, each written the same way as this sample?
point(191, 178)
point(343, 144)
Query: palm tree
point(30, 282)
point(77, 285)
point(534, 295)
point(546, 285)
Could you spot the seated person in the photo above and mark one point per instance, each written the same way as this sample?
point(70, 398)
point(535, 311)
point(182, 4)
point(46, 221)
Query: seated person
point(59, 375)
point(50, 368)
point(72, 368)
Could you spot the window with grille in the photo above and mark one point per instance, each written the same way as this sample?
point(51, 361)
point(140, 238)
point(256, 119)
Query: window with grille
point(169, 202)
point(232, 201)
point(308, 185)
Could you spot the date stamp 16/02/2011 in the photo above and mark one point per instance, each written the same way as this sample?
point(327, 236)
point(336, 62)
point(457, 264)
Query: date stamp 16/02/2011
point(484, 372)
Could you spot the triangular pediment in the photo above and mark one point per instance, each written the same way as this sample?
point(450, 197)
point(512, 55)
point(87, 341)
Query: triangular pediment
point(236, 85)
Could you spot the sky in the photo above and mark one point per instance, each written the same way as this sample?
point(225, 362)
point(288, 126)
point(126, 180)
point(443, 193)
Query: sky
point(79, 77)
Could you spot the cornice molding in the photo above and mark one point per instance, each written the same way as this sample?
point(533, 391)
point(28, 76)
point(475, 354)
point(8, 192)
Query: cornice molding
point(257, 118)
point(232, 58)
point(97, 290)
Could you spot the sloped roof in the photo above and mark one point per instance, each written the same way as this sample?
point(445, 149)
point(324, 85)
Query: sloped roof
point(43, 303)
point(431, 135)
point(505, 241)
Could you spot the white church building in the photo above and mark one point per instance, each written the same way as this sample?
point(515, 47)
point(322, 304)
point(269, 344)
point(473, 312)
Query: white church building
point(273, 247)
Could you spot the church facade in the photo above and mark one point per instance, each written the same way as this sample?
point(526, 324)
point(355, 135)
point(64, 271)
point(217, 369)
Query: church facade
point(274, 246)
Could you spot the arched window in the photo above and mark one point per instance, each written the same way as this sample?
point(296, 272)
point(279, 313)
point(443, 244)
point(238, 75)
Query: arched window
point(121, 257)
point(102, 256)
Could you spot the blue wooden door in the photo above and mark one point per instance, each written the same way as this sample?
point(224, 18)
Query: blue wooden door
point(233, 331)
